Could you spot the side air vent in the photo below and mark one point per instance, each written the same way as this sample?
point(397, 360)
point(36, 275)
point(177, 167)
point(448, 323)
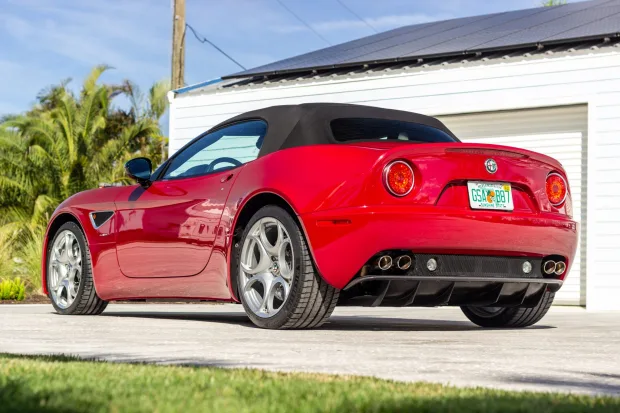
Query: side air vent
point(98, 218)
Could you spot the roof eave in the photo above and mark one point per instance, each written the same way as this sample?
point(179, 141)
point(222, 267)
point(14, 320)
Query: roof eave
point(195, 86)
point(515, 47)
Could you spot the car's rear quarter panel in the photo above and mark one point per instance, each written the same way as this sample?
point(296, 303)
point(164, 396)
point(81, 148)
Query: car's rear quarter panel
point(309, 178)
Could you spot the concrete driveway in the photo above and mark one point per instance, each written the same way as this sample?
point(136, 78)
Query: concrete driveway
point(570, 350)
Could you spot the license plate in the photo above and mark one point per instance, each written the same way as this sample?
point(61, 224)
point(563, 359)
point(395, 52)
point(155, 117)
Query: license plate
point(490, 195)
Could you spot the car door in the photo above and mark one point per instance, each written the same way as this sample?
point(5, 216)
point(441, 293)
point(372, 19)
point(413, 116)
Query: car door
point(168, 229)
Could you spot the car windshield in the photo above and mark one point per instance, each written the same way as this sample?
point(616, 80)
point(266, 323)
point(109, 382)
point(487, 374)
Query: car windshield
point(367, 129)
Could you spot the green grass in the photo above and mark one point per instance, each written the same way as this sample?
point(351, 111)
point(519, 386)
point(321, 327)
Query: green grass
point(65, 384)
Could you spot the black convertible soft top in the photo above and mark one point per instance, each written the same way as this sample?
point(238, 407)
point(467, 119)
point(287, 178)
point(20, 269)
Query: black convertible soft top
point(309, 123)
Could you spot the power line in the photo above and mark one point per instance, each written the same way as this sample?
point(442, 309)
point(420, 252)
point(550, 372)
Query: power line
point(303, 22)
point(203, 39)
point(357, 15)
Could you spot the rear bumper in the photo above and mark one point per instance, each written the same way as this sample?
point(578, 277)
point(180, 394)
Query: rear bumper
point(489, 280)
point(400, 291)
point(343, 240)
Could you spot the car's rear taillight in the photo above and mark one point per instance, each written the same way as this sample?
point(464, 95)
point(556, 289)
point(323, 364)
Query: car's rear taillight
point(556, 189)
point(398, 178)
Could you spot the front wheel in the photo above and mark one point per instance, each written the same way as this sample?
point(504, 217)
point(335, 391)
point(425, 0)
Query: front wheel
point(69, 274)
point(278, 284)
point(510, 317)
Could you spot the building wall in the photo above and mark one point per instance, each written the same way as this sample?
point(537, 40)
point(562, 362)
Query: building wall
point(592, 79)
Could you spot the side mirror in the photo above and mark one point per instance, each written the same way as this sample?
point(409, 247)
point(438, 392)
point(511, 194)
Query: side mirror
point(140, 169)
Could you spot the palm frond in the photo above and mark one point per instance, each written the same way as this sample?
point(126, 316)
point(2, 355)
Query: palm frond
point(44, 206)
point(158, 99)
point(35, 130)
point(91, 116)
point(135, 96)
point(91, 80)
point(64, 118)
point(49, 98)
point(11, 188)
point(11, 143)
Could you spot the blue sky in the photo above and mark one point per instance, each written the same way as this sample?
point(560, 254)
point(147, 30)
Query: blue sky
point(45, 41)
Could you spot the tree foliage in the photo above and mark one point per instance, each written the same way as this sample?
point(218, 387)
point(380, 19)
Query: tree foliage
point(551, 3)
point(66, 143)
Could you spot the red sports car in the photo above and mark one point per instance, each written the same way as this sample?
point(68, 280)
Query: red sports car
point(292, 210)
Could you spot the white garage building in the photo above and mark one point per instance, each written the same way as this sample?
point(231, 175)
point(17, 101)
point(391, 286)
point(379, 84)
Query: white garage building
point(545, 79)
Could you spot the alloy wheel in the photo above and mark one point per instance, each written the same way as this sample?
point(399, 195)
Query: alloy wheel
point(65, 269)
point(266, 267)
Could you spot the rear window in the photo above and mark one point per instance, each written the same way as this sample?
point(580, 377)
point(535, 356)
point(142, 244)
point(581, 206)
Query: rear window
point(367, 129)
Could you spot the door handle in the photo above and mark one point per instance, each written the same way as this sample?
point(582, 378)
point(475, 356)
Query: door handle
point(226, 178)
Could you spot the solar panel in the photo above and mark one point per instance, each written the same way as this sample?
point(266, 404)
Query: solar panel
point(608, 24)
point(446, 29)
point(412, 47)
point(335, 51)
point(553, 24)
point(462, 42)
point(574, 21)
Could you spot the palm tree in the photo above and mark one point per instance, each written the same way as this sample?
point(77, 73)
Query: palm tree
point(25, 205)
point(151, 107)
point(67, 144)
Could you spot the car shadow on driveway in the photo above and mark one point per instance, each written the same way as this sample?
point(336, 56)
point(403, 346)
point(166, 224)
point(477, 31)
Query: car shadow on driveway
point(365, 323)
point(335, 323)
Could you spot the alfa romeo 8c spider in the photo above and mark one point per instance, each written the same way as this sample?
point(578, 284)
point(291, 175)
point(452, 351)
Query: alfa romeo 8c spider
point(293, 210)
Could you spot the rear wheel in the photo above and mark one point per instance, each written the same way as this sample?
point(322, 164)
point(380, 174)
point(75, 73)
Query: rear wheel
point(278, 285)
point(69, 274)
point(510, 317)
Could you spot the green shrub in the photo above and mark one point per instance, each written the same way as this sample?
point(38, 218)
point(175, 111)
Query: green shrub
point(26, 263)
point(20, 256)
point(14, 289)
point(6, 260)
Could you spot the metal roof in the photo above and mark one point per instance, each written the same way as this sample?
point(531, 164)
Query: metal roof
point(512, 30)
point(564, 50)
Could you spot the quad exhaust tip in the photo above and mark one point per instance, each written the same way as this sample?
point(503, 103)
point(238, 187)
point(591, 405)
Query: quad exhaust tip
point(549, 267)
point(552, 267)
point(384, 262)
point(404, 262)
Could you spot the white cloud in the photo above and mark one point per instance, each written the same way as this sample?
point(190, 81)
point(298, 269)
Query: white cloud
point(87, 35)
point(44, 42)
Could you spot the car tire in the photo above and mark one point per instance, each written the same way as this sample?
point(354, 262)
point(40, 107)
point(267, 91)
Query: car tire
point(310, 299)
point(85, 301)
point(510, 317)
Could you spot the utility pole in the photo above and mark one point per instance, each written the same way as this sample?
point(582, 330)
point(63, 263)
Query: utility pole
point(178, 44)
point(178, 54)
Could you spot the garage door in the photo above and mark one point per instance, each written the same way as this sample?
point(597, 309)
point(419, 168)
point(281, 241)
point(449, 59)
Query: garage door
point(560, 132)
